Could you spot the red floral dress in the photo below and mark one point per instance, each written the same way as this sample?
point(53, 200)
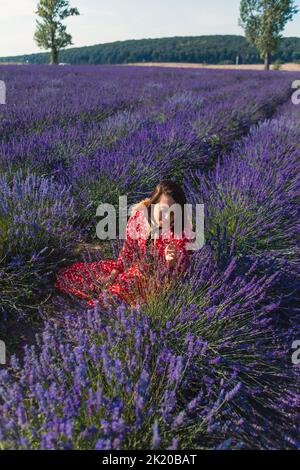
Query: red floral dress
point(132, 271)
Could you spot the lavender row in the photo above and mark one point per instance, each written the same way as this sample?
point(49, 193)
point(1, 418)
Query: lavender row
point(252, 196)
point(68, 161)
point(128, 151)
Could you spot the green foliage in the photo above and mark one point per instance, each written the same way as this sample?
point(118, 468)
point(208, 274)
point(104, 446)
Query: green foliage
point(51, 33)
point(3, 234)
point(194, 49)
point(264, 21)
point(22, 286)
point(277, 64)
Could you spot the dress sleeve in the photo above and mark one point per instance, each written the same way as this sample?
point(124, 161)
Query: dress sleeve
point(134, 245)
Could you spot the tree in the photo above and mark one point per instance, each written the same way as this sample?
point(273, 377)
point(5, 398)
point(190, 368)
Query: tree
point(51, 33)
point(264, 21)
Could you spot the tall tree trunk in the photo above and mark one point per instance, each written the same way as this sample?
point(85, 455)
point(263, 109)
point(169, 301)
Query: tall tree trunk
point(54, 56)
point(267, 61)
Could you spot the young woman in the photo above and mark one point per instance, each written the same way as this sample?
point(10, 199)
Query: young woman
point(155, 240)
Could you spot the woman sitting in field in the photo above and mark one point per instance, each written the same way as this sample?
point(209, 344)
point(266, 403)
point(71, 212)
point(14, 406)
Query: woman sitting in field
point(152, 244)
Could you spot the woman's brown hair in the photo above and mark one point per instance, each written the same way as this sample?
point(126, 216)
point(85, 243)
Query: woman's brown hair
point(168, 188)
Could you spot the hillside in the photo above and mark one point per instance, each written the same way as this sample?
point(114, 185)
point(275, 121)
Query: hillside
point(193, 49)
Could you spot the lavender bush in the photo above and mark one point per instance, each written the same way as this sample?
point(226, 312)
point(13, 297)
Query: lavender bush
point(36, 227)
point(36, 213)
point(252, 197)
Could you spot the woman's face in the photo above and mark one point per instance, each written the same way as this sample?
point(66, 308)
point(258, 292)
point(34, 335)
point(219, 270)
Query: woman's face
point(163, 217)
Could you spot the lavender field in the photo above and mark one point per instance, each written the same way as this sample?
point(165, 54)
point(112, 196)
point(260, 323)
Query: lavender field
point(207, 363)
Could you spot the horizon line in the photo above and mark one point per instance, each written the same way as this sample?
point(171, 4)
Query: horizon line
point(140, 39)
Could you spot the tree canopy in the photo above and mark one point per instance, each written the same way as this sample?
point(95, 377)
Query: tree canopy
point(264, 21)
point(51, 33)
point(195, 49)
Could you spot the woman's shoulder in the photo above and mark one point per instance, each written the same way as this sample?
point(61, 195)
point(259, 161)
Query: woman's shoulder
point(140, 208)
point(138, 225)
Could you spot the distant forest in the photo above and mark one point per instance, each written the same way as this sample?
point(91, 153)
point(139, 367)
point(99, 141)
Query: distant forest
point(202, 49)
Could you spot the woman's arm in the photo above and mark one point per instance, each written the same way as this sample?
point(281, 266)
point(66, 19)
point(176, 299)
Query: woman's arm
point(134, 245)
point(176, 255)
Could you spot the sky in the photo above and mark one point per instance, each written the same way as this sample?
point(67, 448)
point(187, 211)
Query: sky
point(102, 21)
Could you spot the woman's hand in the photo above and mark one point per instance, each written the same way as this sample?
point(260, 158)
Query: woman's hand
point(171, 254)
